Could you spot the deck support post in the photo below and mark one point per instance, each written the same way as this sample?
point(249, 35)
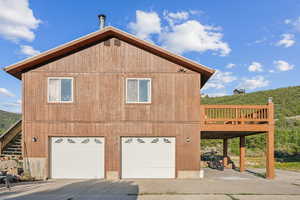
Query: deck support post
point(270, 163)
point(225, 152)
point(270, 172)
point(242, 153)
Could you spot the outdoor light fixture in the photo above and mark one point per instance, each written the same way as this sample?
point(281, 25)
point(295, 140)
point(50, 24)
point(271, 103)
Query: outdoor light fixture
point(188, 139)
point(34, 139)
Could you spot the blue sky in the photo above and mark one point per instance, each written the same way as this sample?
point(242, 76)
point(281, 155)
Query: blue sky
point(252, 44)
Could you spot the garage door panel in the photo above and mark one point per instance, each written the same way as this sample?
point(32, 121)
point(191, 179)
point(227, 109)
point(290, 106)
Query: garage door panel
point(77, 157)
point(148, 157)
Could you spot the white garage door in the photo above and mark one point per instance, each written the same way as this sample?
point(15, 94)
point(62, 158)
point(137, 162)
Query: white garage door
point(77, 157)
point(148, 157)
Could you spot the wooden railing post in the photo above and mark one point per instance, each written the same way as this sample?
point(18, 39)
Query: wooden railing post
point(270, 165)
point(242, 116)
point(271, 112)
point(236, 116)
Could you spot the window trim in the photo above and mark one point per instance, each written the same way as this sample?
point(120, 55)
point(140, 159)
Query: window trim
point(60, 78)
point(138, 90)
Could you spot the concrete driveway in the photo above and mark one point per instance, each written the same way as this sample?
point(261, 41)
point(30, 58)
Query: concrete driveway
point(229, 185)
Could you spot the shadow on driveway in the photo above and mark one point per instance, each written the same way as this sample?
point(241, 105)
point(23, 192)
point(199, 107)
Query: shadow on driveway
point(75, 190)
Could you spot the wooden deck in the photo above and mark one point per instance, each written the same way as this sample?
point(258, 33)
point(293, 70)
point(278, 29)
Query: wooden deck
point(228, 121)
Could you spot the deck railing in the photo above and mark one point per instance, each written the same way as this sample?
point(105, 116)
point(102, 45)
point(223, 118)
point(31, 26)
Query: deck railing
point(236, 114)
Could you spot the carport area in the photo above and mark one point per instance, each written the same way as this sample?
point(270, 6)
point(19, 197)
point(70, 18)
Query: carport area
point(226, 136)
point(226, 122)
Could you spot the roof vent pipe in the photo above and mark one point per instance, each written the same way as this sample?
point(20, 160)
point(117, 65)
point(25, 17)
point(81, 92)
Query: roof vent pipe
point(101, 21)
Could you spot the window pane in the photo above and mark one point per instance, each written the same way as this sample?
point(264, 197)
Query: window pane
point(66, 89)
point(144, 90)
point(132, 90)
point(54, 90)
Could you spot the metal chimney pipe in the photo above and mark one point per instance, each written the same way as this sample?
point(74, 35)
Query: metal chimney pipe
point(101, 18)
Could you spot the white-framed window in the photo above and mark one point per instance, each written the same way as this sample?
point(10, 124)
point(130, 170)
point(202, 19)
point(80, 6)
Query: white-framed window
point(60, 89)
point(138, 90)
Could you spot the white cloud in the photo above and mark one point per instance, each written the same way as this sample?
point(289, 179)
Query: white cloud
point(260, 41)
point(147, 23)
point(17, 20)
point(255, 67)
point(180, 35)
point(11, 104)
point(14, 106)
point(29, 50)
point(282, 65)
point(194, 36)
point(294, 23)
point(224, 77)
point(219, 79)
point(287, 21)
point(196, 12)
point(287, 40)
point(254, 83)
point(175, 17)
point(217, 94)
point(183, 15)
point(5, 92)
point(213, 85)
point(230, 65)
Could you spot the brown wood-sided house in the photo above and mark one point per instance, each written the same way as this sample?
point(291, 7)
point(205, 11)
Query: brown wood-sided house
point(109, 105)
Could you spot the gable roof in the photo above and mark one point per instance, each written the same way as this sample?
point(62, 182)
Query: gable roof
point(23, 66)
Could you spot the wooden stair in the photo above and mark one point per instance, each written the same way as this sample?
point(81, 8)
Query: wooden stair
point(11, 141)
point(14, 147)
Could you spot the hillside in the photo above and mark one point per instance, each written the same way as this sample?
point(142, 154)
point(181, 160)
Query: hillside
point(286, 100)
point(7, 119)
